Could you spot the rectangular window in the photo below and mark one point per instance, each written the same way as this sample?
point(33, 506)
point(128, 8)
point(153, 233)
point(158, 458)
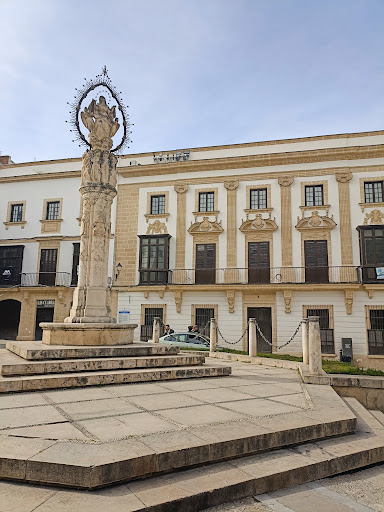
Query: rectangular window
point(371, 252)
point(258, 199)
point(48, 262)
point(206, 201)
point(53, 209)
point(154, 259)
point(373, 191)
point(326, 334)
point(157, 205)
point(314, 195)
point(11, 260)
point(75, 263)
point(202, 318)
point(16, 213)
point(146, 330)
point(376, 332)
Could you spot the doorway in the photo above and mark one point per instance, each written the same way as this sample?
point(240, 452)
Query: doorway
point(9, 319)
point(43, 314)
point(264, 319)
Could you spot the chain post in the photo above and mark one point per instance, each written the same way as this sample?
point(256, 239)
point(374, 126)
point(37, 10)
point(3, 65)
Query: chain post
point(156, 330)
point(212, 336)
point(304, 337)
point(252, 349)
point(314, 346)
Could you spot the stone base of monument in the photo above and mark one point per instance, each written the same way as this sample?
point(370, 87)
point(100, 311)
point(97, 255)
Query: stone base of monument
point(87, 334)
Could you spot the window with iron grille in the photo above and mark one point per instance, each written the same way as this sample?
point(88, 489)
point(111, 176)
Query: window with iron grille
point(202, 318)
point(258, 199)
point(53, 209)
point(16, 213)
point(314, 195)
point(376, 332)
point(154, 259)
point(206, 201)
point(326, 334)
point(157, 205)
point(146, 330)
point(373, 191)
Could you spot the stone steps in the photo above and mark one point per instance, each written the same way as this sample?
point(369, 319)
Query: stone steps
point(98, 378)
point(99, 364)
point(35, 350)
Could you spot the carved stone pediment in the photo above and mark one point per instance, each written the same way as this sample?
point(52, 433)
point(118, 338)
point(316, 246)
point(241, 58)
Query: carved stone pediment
point(315, 221)
point(258, 224)
point(157, 228)
point(205, 226)
point(374, 217)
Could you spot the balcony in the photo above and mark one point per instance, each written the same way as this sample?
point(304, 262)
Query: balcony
point(265, 275)
point(36, 279)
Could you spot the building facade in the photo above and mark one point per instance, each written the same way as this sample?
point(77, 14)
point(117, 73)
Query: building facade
point(273, 230)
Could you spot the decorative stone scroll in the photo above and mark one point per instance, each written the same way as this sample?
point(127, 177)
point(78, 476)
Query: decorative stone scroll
point(287, 300)
point(315, 221)
point(157, 228)
point(206, 227)
point(231, 301)
point(348, 301)
point(181, 188)
point(178, 300)
point(231, 185)
point(374, 217)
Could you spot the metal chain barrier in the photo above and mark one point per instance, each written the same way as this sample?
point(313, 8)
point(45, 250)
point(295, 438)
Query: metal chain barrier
point(281, 346)
point(233, 342)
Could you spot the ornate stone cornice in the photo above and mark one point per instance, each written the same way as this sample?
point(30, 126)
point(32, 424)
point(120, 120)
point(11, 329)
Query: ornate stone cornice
point(231, 185)
point(315, 221)
point(285, 181)
point(258, 224)
point(205, 227)
point(181, 188)
point(344, 177)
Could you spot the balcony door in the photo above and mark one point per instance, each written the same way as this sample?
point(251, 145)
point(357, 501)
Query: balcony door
point(48, 262)
point(258, 262)
point(205, 268)
point(316, 261)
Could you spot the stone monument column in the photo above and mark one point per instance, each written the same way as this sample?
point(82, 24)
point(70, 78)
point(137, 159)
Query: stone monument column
point(90, 298)
point(90, 321)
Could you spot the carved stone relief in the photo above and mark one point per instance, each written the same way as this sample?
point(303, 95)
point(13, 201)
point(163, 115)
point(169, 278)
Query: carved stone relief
point(231, 301)
point(258, 223)
point(231, 185)
point(315, 221)
point(181, 188)
point(157, 228)
point(205, 226)
point(374, 217)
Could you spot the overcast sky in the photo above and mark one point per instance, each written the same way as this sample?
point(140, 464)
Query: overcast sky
point(192, 72)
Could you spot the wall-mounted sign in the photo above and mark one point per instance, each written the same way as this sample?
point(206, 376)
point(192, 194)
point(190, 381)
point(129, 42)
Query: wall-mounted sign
point(46, 303)
point(124, 316)
point(380, 272)
point(179, 156)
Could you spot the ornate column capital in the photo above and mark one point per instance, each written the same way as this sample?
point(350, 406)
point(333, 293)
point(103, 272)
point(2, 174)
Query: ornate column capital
point(285, 181)
point(231, 185)
point(344, 176)
point(181, 188)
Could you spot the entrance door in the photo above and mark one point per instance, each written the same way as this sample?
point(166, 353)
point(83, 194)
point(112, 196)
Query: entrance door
point(205, 272)
point(42, 315)
point(146, 330)
point(264, 319)
point(48, 261)
point(316, 261)
point(258, 262)
point(9, 319)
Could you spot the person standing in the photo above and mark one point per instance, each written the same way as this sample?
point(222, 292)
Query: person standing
point(168, 330)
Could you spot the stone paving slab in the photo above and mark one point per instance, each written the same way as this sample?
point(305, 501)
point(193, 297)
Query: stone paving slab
point(133, 430)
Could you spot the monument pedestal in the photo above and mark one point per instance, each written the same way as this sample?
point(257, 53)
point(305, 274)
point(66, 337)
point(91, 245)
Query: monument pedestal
point(96, 334)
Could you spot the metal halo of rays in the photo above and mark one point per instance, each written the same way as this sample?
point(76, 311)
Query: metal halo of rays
point(102, 80)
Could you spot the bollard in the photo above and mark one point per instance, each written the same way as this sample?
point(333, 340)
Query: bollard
point(252, 338)
point(314, 346)
point(212, 336)
point(156, 330)
point(304, 334)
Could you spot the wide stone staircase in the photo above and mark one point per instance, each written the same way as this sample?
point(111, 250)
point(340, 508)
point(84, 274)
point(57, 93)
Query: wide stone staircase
point(32, 366)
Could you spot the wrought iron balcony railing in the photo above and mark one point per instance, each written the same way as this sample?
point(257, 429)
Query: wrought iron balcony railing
point(267, 275)
point(37, 279)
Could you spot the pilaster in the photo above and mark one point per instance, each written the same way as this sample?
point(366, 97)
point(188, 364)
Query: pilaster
point(181, 189)
point(231, 187)
point(285, 183)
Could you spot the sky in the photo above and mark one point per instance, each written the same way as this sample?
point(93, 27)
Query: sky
point(193, 73)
